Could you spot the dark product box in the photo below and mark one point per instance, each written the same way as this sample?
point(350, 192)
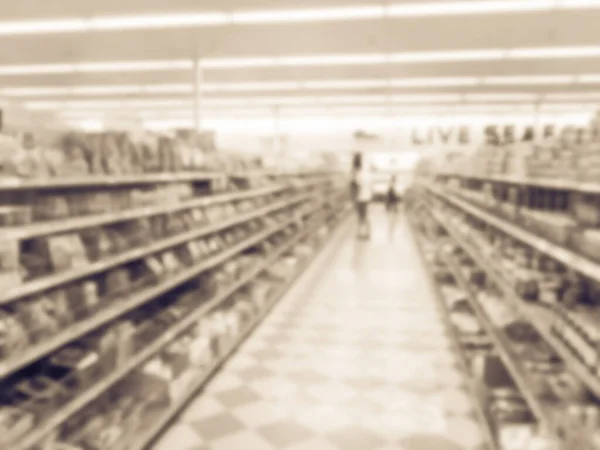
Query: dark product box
point(50, 207)
point(97, 243)
point(66, 252)
point(119, 243)
point(44, 317)
point(10, 275)
point(13, 216)
point(586, 210)
point(83, 364)
point(83, 299)
point(116, 282)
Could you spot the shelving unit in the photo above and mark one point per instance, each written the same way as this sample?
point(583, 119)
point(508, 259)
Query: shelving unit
point(474, 389)
point(290, 207)
point(147, 438)
point(553, 415)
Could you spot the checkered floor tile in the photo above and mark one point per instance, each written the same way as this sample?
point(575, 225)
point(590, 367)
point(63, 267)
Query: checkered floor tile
point(364, 364)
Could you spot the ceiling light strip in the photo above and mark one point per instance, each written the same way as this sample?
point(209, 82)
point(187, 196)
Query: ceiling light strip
point(305, 61)
point(308, 15)
point(120, 104)
point(319, 85)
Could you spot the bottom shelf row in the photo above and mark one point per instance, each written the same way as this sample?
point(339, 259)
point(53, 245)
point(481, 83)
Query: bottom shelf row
point(133, 411)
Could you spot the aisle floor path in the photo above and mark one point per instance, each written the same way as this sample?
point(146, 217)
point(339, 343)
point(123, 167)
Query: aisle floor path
point(362, 363)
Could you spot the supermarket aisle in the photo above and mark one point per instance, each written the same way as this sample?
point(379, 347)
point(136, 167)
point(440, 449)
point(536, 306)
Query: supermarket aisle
point(360, 362)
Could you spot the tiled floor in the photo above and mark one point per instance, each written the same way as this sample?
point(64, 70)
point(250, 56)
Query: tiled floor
point(363, 363)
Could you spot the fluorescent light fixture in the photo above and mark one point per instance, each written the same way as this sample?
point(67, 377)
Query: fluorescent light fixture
point(106, 104)
point(35, 69)
point(306, 61)
point(349, 99)
point(42, 27)
point(426, 98)
point(345, 84)
point(158, 21)
point(251, 86)
point(105, 90)
point(499, 97)
point(553, 52)
point(309, 15)
point(35, 91)
point(230, 63)
point(182, 88)
point(590, 78)
point(530, 79)
point(332, 60)
point(576, 96)
point(434, 82)
point(567, 107)
point(281, 101)
point(350, 84)
point(218, 18)
point(441, 56)
point(469, 7)
point(134, 66)
point(577, 4)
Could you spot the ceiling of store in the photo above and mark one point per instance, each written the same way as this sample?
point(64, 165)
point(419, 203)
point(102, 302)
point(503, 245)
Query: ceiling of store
point(485, 52)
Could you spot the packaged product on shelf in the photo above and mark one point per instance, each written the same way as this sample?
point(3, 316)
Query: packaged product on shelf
point(587, 241)
point(10, 273)
point(586, 210)
point(13, 216)
point(117, 282)
point(66, 252)
point(567, 388)
point(207, 286)
point(38, 318)
point(83, 365)
point(97, 244)
point(199, 351)
point(14, 424)
point(156, 266)
point(50, 207)
point(176, 356)
point(155, 377)
point(13, 335)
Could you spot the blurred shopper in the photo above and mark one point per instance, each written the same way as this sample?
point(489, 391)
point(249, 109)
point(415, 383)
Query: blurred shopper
point(364, 194)
point(391, 204)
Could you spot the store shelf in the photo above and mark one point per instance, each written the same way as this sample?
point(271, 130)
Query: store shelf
point(147, 438)
point(542, 410)
point(91, 394)
point(77, 223)
point(538, 316)
point(567, 257)
point(543, 183)
point(11, 184)
point(474, 389)
point(133, 301)
point(51, 281)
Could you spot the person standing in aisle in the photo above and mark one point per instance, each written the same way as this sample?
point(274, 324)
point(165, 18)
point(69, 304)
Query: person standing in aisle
point(391, 205)
point(363, 198)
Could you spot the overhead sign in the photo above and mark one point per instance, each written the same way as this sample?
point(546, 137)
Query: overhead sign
point(492, 134)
